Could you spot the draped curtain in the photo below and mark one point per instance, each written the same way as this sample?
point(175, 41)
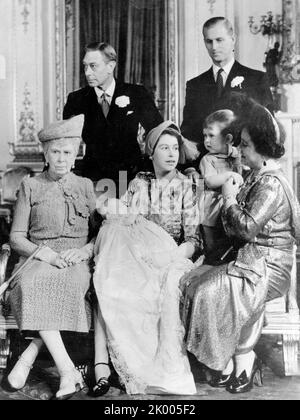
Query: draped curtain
point(137, 29)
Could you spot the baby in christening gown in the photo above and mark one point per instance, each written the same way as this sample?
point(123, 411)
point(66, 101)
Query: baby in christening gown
point(136, 280)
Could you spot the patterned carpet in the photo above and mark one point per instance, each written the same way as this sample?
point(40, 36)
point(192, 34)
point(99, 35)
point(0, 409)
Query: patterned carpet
point(44, 381)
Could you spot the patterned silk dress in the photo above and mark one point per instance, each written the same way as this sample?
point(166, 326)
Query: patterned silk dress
point(222, 309)
point(57, 214)
point(136, 282)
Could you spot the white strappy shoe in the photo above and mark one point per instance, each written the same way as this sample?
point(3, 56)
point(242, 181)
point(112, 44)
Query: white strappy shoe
point(71, 382)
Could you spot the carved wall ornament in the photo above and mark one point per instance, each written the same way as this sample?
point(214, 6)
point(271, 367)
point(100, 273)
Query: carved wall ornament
point(173, 108)
point(25, 13)
point(60, 33)
point(290, 62)
point(28, 144)
point(211, 5)
point(27, 124)
point(69, 7)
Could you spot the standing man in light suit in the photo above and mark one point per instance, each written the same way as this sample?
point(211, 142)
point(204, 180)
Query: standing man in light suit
point(206, 92)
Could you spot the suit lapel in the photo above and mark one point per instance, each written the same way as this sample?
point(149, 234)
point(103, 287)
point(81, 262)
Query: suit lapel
point(94, 106)
point(210, 80)
point(234, 72)
point(115, 109)
point(209, 85)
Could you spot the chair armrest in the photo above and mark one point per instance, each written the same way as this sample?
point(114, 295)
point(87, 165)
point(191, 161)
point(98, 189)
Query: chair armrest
point(4, 256)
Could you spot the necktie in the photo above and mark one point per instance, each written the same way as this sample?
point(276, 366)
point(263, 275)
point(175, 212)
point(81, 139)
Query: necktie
point(104, 103)
point(220, 83)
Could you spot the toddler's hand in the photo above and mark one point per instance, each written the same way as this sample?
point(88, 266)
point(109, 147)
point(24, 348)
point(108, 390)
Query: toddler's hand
point(238, 179)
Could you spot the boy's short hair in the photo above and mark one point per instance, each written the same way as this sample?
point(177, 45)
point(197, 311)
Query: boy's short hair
point(227, 121)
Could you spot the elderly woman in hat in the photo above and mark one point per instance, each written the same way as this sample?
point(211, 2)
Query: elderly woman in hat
point(143, 248)
point(48, 296)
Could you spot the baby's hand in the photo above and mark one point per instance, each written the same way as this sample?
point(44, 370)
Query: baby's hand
point(238, 179)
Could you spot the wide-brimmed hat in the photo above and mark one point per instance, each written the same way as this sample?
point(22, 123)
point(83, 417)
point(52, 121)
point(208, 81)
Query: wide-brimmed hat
point(71, 128)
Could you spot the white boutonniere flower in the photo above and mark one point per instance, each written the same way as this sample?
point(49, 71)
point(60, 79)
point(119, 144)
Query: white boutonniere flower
point(237, 81)
point(122, 101)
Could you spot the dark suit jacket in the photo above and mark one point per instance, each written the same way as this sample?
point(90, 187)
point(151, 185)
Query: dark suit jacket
point(201, 97)
point(111, 144)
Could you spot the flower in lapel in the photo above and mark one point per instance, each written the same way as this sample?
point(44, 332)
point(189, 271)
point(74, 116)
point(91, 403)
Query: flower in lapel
point(237, 81)
point(122, 101)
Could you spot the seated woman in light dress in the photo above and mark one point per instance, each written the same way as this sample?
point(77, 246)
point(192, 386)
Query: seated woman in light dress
point(143, 250)
point(48, 296)
point(223, 309)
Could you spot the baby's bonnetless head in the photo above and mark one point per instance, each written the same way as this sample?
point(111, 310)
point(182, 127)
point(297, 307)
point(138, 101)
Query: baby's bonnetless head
point(111, 206)
point(220, 129)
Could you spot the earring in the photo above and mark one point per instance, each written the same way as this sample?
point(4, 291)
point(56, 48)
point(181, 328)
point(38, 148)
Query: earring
point(46, 165)
point(150, 157)
point(73, 166)
point(264, 163)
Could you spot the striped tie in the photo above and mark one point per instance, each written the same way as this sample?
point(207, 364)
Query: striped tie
point(220, 83)
point(103, 101)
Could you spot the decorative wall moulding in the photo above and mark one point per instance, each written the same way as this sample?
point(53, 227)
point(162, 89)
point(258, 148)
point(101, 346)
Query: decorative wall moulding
point(290, 63)
point(211, 4)
point(25, 12)
point(173, 111)
point(27, 144)
point(60, 59)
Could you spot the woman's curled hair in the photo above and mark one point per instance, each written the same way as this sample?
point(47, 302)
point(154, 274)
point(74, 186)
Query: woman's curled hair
point(267, 134)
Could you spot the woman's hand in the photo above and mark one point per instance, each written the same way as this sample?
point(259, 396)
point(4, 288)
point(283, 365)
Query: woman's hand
point(75, 256)
point(238, 179)
point(192, 174)
point(230, 188)
point(60, 263)
point(47, 255)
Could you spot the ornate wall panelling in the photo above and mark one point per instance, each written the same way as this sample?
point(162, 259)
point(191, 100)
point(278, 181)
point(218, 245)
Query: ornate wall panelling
point(28, 79)
point(73, 53)
point(290, 63)
point(173, 59)
point(60, 56)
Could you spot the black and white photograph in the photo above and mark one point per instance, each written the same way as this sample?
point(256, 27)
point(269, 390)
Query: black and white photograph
point(149, 202)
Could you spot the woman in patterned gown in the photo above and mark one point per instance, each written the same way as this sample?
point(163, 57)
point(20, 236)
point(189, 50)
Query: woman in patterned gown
point(223, 309)
point(140, 260)
point(48, 296)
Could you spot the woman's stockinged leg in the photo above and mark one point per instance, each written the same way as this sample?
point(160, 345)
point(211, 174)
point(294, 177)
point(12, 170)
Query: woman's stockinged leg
point(56, 347)
point(70, 378)
point(244, 362)
point(101, 352)
point(18, 376)
point(229, 368)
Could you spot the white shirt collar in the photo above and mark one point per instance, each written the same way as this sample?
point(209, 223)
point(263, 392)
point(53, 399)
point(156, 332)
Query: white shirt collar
point(109, 91)
point(227, 68)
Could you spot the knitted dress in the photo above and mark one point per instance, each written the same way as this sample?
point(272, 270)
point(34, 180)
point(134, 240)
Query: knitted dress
point(56, 213)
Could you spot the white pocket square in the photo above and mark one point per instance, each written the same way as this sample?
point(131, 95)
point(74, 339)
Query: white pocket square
point(129, 112)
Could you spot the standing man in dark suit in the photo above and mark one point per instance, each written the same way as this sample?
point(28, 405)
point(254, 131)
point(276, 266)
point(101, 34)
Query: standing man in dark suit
point(206, 92)
point(113, 112)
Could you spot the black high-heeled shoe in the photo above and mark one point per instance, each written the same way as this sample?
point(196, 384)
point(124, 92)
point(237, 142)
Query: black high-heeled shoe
point(245, 384)
point(102, 386)
point(221, 381)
